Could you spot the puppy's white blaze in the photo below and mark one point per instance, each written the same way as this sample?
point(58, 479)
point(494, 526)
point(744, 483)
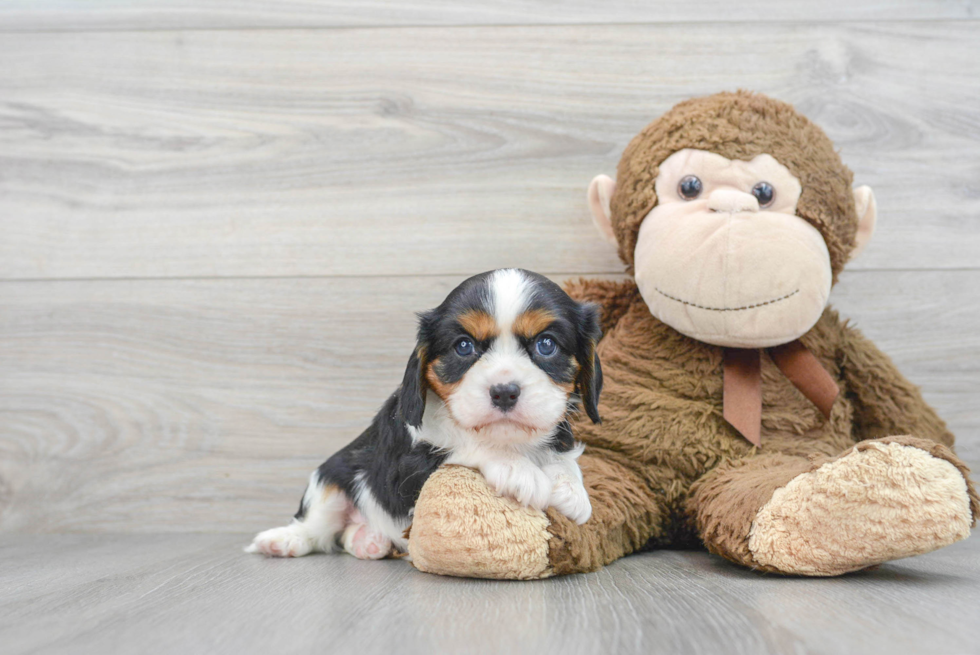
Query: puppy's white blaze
point(510, 294)
point(377, 518)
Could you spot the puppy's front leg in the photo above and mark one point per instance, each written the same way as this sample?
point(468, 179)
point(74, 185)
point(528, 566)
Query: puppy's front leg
point(568, 494)
point(518, 478)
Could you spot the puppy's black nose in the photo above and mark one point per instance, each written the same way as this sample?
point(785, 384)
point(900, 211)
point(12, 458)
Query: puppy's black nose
point(504, 396)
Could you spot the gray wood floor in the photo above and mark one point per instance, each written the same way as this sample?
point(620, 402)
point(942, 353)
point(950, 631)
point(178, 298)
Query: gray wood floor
point(195, 593)
point(73, 15)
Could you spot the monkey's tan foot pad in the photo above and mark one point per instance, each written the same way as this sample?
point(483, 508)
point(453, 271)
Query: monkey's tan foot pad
point(462, 528)
point(879, 502)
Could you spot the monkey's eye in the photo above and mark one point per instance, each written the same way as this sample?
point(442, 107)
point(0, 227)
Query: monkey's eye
point(464, 347)
point(546, 346)
point(689, 188)
point(764, 193)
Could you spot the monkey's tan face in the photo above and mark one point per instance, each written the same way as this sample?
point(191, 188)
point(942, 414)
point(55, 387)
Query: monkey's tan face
point(723, 257)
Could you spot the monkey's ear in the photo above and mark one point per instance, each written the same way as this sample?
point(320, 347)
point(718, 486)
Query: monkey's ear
point(600, 195)
point(867, 211)
point(589, 381)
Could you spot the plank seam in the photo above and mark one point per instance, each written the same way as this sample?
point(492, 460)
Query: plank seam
point(211, 278)
point(419, 26)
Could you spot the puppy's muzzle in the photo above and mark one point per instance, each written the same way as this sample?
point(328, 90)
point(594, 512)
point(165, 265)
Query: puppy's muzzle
point(504, 396)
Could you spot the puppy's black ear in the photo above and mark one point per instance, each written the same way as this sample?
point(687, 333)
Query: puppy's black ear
point(411, 394)
point(589, 381)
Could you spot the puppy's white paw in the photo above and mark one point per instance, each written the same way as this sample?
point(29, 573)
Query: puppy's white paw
point(363, 543)
point(287, 541)
point(571, 499)
point(521, 480)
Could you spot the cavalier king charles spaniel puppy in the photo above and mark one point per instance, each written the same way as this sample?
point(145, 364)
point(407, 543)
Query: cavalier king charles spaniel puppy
point(497, 369)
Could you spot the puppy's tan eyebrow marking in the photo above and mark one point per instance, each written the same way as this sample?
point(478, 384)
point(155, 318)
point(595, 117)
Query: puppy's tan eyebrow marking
point(480, 325)
point(532, 322)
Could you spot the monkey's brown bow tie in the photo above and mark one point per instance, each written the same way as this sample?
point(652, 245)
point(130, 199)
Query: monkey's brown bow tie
point(743, 384)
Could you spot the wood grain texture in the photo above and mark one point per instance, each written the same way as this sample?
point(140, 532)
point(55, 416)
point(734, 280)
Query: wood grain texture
point(202, 405)
point(76, 15)
point(185, 593)
point(439, 151)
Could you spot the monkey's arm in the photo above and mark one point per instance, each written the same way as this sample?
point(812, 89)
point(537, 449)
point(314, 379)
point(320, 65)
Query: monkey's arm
point(631, 508)
point(886, 403)
point(462, 528)
point(614, 297)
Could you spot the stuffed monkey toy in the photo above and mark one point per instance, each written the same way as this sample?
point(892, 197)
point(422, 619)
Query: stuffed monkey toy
point(738, 410)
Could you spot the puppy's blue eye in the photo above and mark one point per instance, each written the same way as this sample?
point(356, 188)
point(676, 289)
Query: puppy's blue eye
point(546, 346)
point(464, 347)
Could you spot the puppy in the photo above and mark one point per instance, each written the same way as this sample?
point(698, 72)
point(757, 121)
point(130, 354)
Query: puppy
point(497, 369)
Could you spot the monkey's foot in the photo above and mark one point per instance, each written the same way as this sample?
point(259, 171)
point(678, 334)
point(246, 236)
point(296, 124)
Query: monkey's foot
point(882, 500)
point(462, 528)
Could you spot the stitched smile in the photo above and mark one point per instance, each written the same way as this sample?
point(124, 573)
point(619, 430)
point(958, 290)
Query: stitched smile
point(728, 309)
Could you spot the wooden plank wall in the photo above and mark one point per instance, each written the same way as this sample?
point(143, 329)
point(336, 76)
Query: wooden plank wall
point(217, 218)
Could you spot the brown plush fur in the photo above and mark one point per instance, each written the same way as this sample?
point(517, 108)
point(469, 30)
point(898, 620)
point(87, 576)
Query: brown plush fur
point(663, 437)
point(664, 468)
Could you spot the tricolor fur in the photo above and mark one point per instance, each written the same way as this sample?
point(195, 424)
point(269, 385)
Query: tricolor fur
point(497, 369)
